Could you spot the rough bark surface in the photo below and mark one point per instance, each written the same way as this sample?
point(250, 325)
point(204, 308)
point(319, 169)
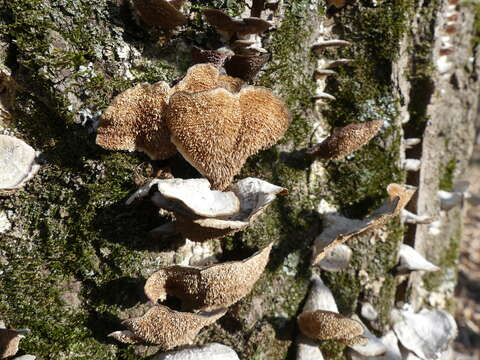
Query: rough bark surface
point(74, 257)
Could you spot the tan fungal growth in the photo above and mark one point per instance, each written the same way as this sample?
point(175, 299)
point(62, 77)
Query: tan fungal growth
point(9, 341)
point(17, 162)
point(217, 130)
point(160, 13)
point(325, 325)
point(168, 328)
point(228, 26)
point(337, 3)
point(134, 121)
point(215, 57)
point(245, 67)
point(346, 140)
point(125, 336)
point(208, 288)
point(254, 196)
point(340, 229)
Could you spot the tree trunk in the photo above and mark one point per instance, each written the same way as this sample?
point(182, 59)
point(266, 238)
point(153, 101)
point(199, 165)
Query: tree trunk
point(74, 257)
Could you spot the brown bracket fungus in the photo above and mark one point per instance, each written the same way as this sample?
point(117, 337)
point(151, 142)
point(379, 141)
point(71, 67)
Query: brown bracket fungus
point(346, 140)
point(217, 130)
point(162, 13)
point(9, 341)
point(252, 194)
point(208, 288)
point(245, 67)
point(228, 27)
point(325, 325)
point(340, 229)
point(167, 328)
point(17, 161)
point(215, 57)
point(133, 121)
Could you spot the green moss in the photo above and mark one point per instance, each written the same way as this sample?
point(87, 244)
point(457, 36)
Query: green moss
point(447, 176)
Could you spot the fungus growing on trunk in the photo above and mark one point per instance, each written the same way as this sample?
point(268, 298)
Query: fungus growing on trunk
point(17, 161)
point(162, 13)
point(208, 288)
point(213, 351)
point(325, 325)
point(254, 195)
point(165, 327)
point(346, 140)
point(245, 67)
point(9, 341)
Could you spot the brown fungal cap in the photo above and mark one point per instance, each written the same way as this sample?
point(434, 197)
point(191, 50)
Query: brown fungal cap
point(125, 336)
point(160, 13)
point(134, 121)
point(324, 325)
point(9, 341)
point(215, 57)
point(226, 24)
point(216, 130)
point(209, 288)
point(245, 67)
point(346, 140)
point(168, 328)
point(341, 229)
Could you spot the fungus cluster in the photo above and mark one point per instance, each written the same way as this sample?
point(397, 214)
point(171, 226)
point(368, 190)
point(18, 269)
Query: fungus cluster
point(214, 122)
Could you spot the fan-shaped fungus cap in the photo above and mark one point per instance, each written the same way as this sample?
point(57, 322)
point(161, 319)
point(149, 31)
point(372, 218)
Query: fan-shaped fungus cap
point(9, 340)
point(216, 130)
point(134, 121)
point(208, 288)
point(254, 195)
point(226, 24)
point(215, 57)
point(324, 325)
point(341, 229)
point(17, 161)
point(125, 336)
point(213, 351)
point(245, 67)
point(160, 13)
point(346, 140)
point(168, 328)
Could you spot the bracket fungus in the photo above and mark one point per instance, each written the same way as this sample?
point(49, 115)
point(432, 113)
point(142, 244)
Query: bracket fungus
point(246, 67)
point(427, 333)
point(162, 13)
point(215, 57)
point(324, 325)
point(217, 130)
point(411, 260)
point(134, 121)
point(208, 288)
point(224, 217)
point(9, 341)
point(228, 26)
point(340, 229)
point(17, 161)
point(165, 327)
point(213, 351)
point(346, 140)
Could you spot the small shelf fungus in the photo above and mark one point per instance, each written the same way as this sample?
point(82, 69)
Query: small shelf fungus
point(208, 288)
point(325, 325)
point(411, 260)
point(9, 341)
point(162, 13)
point(202, 213)
point(213, 351)
point(209, 118)
point(215, 57)
point(346, 140)
point(339, 229)
point(165, 327)
point(427, 333)
point(17, 161)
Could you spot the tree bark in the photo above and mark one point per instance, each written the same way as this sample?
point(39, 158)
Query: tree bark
point(74, 257)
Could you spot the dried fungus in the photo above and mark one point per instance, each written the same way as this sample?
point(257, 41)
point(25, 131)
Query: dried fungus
point(17, 161)
point(208, 288)
point(254, 195)
point(339, 229)
point(227, 26)
point(168, 328)
point(346, 140)
point(213, 351)
point(9, 341)
point(162, 13)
